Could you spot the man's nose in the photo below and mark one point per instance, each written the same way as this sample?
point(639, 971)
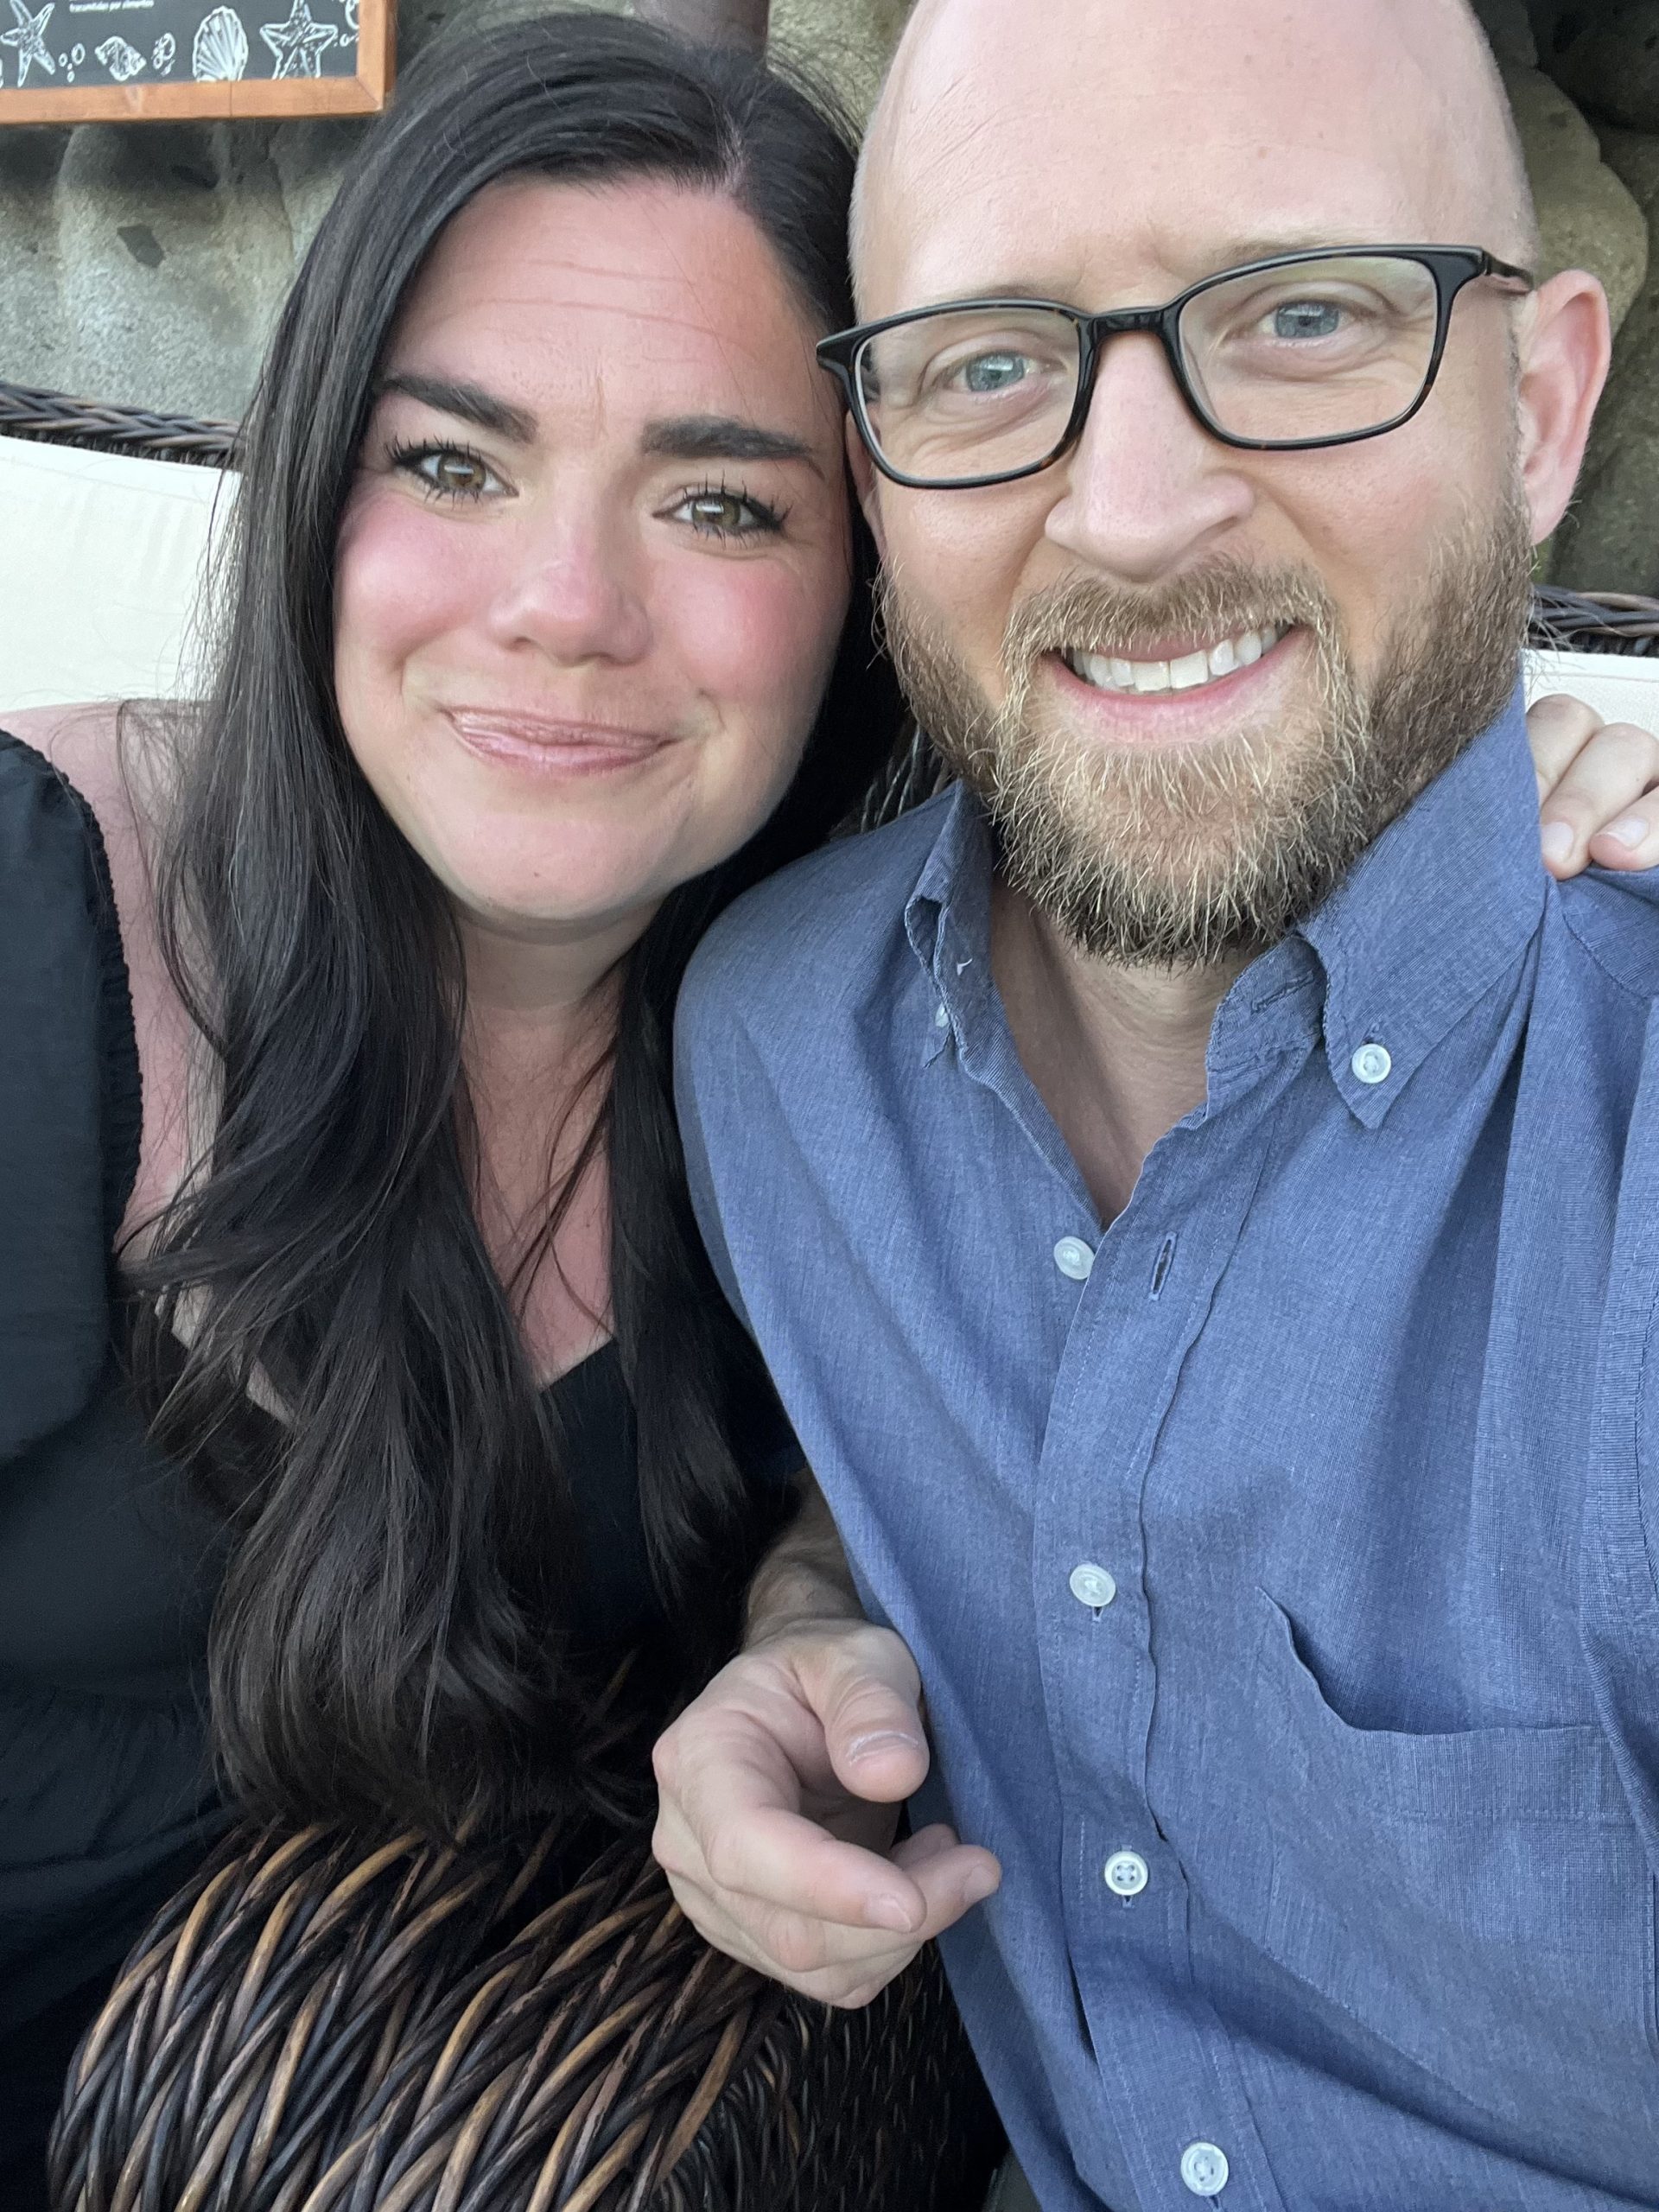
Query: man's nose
point(1148, 489)
point(576, 591)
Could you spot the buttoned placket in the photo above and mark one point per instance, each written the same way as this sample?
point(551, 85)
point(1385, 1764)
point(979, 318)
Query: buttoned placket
point(1126, 1892)
point(1139, 1289)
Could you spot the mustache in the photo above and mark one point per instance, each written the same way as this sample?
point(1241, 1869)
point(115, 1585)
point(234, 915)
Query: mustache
point(1220, 600)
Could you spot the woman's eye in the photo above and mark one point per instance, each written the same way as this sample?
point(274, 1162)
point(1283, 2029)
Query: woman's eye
point(448, 471)
point(726, 514)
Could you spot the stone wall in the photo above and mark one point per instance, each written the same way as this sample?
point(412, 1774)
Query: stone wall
point(145, 264)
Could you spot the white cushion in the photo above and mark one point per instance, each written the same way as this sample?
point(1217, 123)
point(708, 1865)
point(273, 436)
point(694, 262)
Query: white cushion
point(102, 564)
point(1621, 687)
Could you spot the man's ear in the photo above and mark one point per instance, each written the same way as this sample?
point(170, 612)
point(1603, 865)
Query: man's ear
point(1565, 347)
point(867, 482)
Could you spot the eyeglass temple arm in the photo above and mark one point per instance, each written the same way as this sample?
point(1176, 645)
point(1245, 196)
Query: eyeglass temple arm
point(729, 22)
point(1506, 273)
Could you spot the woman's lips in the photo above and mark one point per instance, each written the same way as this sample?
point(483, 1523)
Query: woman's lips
point(544, 746)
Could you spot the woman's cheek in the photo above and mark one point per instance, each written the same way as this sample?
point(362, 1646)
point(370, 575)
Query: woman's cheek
point(758, 640)
point(402, 581)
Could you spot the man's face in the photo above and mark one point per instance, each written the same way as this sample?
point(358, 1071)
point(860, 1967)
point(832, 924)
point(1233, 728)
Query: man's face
point(1111, 162)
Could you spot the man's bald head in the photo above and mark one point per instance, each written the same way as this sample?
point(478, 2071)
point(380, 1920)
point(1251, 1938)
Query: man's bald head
point(1110, 112)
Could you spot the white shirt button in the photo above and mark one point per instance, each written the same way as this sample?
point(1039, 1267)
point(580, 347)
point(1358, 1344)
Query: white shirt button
point(1074, 1259)
point(1204, 2168)
point(1092, 1586)
point(1372, 1064)
point(942, 1019)
point(1126, 1874)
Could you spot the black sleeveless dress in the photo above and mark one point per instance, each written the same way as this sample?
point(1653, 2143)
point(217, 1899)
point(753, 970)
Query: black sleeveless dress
point(109, 1560)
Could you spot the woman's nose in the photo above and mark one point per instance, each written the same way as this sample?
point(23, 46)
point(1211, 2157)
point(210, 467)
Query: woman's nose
point(576, 594)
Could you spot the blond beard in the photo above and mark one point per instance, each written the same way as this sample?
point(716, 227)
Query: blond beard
point(1187, 857)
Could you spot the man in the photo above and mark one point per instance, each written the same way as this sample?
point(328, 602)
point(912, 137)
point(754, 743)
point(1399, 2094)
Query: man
point(1197, 1185)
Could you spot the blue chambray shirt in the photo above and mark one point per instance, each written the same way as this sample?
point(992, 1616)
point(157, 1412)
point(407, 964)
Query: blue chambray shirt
point(1281, 1561)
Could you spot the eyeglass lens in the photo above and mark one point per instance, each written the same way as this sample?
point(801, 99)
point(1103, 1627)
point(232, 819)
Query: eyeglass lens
point(1319, 349)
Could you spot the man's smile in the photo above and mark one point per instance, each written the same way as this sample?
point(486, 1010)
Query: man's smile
point(1187, 670)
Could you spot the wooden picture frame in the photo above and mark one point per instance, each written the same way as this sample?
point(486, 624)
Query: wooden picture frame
point(154, 61)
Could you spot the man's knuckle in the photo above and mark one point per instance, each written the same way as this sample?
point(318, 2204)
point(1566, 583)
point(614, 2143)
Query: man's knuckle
point(796, 1946)
point(722, 1854)
point(668, 1848)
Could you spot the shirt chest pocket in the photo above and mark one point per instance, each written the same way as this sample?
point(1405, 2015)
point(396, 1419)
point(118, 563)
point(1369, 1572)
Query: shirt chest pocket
point(1479, 1901)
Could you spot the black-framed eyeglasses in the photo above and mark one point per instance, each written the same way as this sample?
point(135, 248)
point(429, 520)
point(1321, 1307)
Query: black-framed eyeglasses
point(1318, 348)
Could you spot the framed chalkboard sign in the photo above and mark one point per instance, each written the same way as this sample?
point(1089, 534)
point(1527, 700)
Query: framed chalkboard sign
point(130, 60)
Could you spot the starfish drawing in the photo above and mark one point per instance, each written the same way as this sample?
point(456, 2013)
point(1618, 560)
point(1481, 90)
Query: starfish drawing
point(298, 44)
point(29, 39)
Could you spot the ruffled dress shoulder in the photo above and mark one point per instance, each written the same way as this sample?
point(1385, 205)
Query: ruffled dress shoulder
point(108, 1564)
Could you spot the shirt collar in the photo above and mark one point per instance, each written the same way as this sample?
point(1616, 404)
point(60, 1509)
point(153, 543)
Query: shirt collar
point(947, 919)
point(1425, 922)
point(1430, 917)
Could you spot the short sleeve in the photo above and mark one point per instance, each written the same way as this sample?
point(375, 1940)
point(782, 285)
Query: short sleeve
point(70, 1108)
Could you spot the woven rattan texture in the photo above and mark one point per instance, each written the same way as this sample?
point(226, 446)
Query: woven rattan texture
point(25, 413)
point(304, 2030)
point(1594, 622)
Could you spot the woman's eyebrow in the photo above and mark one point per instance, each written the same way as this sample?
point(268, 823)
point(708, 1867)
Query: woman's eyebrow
point(468, 403)
point(724, 438)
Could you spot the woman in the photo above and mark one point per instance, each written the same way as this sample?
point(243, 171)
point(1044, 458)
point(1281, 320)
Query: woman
point(549, 630)
point(336, 1115)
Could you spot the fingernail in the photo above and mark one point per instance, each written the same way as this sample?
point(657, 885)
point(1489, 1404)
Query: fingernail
point(890, 1913)
point(883, 1739)
point(1629, 830)
point(978, 1887)
point(1558, 841)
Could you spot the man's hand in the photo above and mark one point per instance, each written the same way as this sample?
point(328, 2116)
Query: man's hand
point(779, 1788)
point(1595, 786)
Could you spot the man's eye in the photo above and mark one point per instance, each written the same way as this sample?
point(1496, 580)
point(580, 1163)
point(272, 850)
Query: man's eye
point(448, 471)
point(985, 376)
point(1300, 319)
point(718, 513)
point(989, 373)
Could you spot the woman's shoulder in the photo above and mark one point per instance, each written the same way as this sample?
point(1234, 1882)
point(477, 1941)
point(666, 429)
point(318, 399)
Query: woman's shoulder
point(79, 805)
point(77, 753)
point(70, 1097)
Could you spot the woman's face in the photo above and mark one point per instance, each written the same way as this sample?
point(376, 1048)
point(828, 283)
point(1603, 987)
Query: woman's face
point(594, 568)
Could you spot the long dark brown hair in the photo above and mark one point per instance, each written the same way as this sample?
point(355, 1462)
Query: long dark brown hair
point(392, 1640)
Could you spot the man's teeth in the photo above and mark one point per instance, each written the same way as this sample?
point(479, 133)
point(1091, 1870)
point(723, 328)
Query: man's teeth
point(1187, 674)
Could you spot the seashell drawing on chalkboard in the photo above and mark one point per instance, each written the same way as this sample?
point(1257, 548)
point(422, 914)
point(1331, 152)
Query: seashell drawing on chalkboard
point(161, 59)
point(122, 61)
point(219, 52)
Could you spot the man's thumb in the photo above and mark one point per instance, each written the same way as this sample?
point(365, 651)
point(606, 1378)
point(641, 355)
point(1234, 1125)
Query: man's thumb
point(875, 1740)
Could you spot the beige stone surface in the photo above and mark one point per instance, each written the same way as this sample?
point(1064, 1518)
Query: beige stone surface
point(1588, 216)
point(1611, 540)
point(849, 39)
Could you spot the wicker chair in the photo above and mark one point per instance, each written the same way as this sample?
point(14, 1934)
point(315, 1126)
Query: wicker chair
point(306, 2029)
